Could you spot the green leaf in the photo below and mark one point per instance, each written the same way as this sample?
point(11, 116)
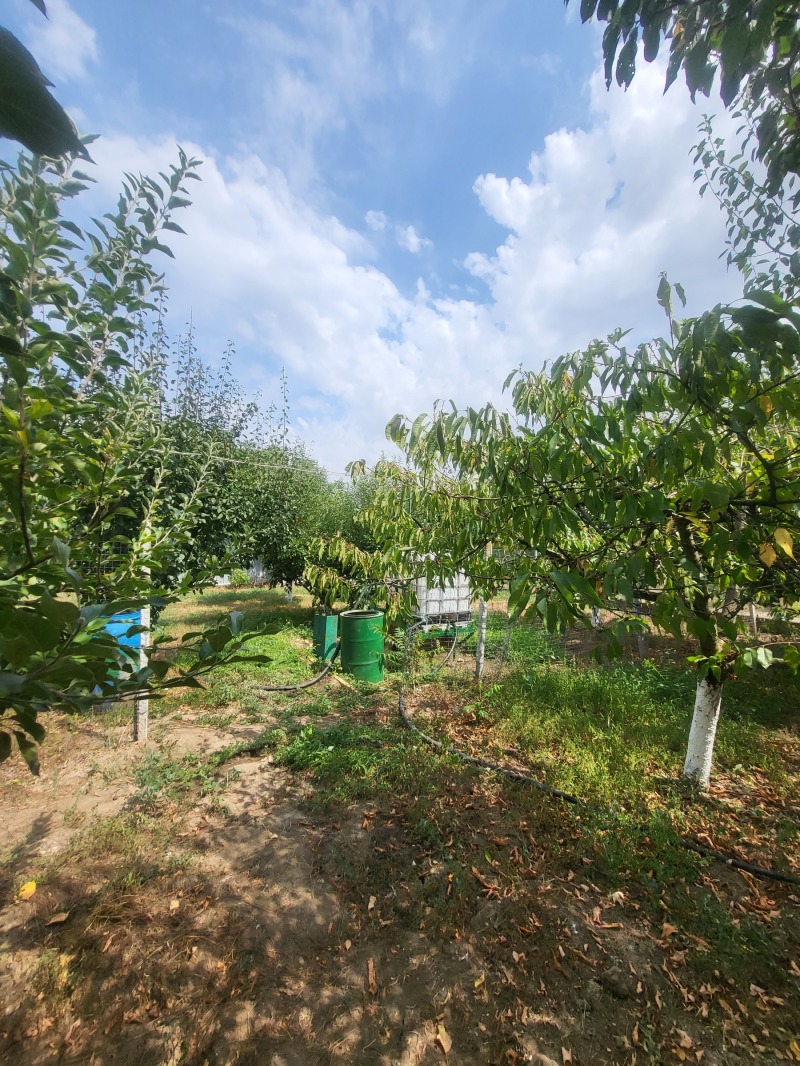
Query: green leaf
point(29, 752)
point(791, 656)
point(62, 551)
point(664, 294)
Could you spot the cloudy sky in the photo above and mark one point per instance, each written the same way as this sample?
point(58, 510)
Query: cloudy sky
point(401, 200)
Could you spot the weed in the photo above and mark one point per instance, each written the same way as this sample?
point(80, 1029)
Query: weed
point(163, 778)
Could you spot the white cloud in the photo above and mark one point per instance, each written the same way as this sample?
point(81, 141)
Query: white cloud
point(329, 61)
point(376, 220)
point(64, 45)
point(410, 240)
point(600, 213)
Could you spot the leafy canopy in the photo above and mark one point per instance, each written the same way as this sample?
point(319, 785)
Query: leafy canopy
point(669, 473)
point(87, 526)
point(753, 44)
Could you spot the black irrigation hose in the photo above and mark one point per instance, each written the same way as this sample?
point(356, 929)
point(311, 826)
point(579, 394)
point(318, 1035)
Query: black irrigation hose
point(487, 764)
point(438, 669)
point(739, 864)
point(303, 684)
point(517, 775)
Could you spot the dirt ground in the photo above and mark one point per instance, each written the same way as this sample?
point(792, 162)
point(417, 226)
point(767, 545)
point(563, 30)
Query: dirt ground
point(255, 926)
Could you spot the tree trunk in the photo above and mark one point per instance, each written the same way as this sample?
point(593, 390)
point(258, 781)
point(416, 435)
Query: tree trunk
point(480, 650)
point(700, 752)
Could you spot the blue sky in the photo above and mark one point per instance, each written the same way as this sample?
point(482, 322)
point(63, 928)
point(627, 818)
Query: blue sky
point(401, 200)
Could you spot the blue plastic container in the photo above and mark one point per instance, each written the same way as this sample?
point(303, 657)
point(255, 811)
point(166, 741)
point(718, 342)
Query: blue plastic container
point(118, 626)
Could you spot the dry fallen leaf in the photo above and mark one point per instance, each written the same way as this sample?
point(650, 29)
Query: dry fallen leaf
point(174, 904)
point(443, 1039)
point(686, 1040)
point(372, 902)
point(58, 919)
point(27, 890)
point(794, 1049)
point(566, 1055)
point(372, 980)
point(348, 944)
point(668, 930)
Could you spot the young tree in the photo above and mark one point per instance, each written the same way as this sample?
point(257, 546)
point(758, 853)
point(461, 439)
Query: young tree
point(669, 474)
point(85, 529)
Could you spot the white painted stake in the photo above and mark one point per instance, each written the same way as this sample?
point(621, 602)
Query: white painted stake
point(480, 650)
point(142, 706)
point(753, 619)
point(700, 752)
point(641, 639)
point(483, 614)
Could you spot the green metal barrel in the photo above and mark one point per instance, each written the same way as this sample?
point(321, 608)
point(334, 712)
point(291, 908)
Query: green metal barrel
point(325, 629)
point(361, 634)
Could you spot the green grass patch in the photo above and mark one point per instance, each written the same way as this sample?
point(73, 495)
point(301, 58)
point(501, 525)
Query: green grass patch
point(612, 733)
point(353, 761)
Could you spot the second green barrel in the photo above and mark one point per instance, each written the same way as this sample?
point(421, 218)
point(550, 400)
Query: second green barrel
point(361, 636)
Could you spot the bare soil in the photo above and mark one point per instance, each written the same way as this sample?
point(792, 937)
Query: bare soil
point(264, 927)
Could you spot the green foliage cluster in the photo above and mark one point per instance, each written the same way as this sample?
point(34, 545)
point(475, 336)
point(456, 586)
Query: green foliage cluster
point(669, 473)
point(28, 112)
point(754, 45)
point(88, 525)
point(263, 497)
point(664, 477)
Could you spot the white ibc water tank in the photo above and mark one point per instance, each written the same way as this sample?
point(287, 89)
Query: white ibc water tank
point(448, 602)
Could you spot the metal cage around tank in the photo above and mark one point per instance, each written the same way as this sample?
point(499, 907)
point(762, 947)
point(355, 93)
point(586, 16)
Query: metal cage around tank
point(445, 605)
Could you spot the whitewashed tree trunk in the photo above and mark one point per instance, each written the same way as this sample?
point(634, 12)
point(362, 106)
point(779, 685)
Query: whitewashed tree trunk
point(753, 620)
point(480, 650)
point(595, 617)
point(700, 753)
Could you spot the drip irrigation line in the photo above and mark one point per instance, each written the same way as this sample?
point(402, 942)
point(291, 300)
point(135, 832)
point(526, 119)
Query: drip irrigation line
point(740, 864)
point(438, 669)
point(764, 872)
point(487, 764)
point(303, 684)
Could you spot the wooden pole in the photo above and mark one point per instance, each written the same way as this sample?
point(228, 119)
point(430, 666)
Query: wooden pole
point(480, 650)
point(483, 614)
point(141, 707)
point(641, 639)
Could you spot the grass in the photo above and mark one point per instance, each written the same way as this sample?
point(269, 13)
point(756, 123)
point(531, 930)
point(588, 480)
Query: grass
point(613, 734)
point(444, 847)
